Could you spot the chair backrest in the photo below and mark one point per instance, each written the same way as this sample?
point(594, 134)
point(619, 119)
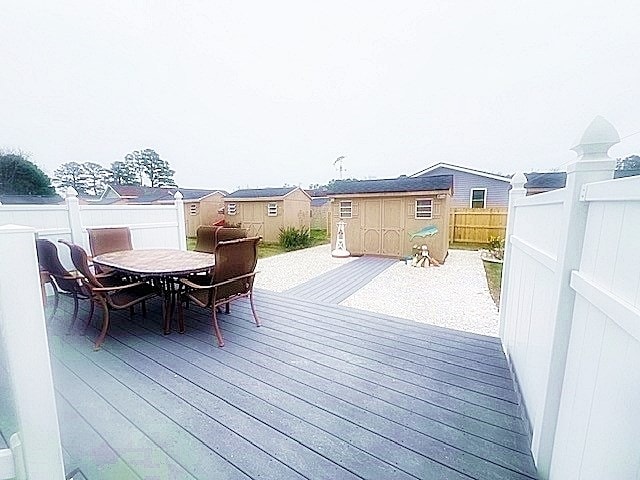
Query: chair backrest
point(105, 240)
point(81, 262)
point(50, 261)
point(233, 259)
point(206, 238)
point(227, 233)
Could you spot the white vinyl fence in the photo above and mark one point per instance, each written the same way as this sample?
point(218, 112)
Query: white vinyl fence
point(570, 315)
point(27, 403)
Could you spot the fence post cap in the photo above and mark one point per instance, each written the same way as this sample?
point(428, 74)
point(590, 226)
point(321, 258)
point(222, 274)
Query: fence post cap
point(178, 195)
point(598, 137)
point(518, 180)
point(70, 192)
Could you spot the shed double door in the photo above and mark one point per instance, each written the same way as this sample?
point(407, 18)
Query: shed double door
point(382, 226)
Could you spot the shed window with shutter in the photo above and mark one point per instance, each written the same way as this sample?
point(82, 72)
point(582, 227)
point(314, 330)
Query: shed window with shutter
point(272, 209)
point(346, 209)
point(231, 209)
point(424, 208)
point(193, 209)
point(478, 198)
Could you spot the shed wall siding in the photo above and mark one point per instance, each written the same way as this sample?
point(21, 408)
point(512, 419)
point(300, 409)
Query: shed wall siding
point(463, 182)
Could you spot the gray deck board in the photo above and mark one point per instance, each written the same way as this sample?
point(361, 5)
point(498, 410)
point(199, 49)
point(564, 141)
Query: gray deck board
point(340, 283)
point(319, 391)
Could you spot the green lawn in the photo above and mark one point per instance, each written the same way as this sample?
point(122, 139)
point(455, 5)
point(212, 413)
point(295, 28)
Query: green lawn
point(494, 279)
point(318, 237)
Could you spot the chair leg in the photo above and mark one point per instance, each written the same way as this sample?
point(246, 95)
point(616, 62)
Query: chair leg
point(75, 314)
point(216, 328)
point(253, 309)
point(226, 307)
point(180, 316)
point(56, 297)
point(105, 326)
point(86, 325)
point(144, 309)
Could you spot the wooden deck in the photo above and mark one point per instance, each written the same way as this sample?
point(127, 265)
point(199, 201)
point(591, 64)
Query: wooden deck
point(319, 392)
point(340, 283)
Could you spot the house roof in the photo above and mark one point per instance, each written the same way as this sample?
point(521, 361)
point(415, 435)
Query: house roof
point(390, 185)
point(317, 192)
point(554, 180)
point(319, 201)
point(254, 193)
point(545, 180)
point(143, 194)
point(461, 169)
point(31, 199)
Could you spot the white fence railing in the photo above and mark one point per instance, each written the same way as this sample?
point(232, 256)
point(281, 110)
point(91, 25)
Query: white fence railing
point(570, 315)
point(36, 453)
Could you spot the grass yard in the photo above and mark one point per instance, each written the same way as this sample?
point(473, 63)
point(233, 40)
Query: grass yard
point(318, 237)
point(494, 279)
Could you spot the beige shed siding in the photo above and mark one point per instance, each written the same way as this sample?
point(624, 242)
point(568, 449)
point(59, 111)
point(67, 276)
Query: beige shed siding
point(381, 224)
point(207, 212)
point(293, 210)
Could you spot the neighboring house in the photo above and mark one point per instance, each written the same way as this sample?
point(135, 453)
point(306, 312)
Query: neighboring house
point(320, 208)
point(263, 211)
point(201, 207)
point(540, 182)
point(381, 215)
point(472, 188)
point(30, 199)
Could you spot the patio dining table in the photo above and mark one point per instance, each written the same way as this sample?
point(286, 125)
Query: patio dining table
point(163, 267)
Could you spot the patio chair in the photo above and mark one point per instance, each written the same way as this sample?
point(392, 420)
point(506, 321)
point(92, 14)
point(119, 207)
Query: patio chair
point(63, 281)
point(110, 239)
point(232, 278)
point(208, 236)
point(109, 291)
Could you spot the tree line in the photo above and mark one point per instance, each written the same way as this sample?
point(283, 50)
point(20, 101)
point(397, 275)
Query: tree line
point(19, 176)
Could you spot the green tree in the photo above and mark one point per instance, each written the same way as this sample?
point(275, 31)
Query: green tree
point(70, 174)
point(96, 178)
point(19, 176)
point(632, 162)
point(123, 173)
point(148, 166)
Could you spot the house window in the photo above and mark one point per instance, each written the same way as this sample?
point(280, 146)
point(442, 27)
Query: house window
point(231, 209)
point(346, 209)
point(272, 209)
point(424, 208)
point(478, 198)
point(193, 209)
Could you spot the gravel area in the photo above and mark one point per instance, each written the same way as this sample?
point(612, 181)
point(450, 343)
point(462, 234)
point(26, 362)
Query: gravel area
point(287, 270)
point(454, 295)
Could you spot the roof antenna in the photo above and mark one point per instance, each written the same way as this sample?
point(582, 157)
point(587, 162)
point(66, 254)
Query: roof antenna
point(339, 160)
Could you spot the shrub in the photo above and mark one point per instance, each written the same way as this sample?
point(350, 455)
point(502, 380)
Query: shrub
point(496, 247)
point(292, 238)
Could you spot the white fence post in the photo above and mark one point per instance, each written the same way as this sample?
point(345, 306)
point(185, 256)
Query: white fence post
point(593, 164)
point(517, 191)
point(182, 228)
point(24, 339)
point(73, 210)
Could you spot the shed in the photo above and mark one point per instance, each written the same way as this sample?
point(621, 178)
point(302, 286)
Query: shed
point(263, 211)
point(201, 206)
point(320, 208)
point(381, 215)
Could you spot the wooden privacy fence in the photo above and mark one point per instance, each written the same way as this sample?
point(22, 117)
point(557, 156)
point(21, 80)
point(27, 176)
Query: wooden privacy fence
point(477, 225)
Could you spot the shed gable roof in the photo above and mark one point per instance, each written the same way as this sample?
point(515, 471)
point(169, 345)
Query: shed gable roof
point(144, 194)
point(394, 185)
point(255, 193)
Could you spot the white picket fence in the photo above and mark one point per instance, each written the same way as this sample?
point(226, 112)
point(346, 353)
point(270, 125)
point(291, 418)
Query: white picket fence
point(570, 315)
point(35, 452)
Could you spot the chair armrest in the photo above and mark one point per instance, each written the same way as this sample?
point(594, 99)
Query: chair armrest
point(234, 279)
point(195, 286)
point(118, 287)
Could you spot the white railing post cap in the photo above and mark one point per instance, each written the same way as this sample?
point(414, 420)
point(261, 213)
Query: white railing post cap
point(598, 137)
point(71, 192)
point(518, 180)
point(178, 195)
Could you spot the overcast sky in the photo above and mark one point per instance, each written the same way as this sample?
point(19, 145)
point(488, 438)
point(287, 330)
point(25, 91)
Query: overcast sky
point(262, 93)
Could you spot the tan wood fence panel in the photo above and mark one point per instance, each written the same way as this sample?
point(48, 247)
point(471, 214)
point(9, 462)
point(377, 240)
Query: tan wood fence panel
point(476, 225)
